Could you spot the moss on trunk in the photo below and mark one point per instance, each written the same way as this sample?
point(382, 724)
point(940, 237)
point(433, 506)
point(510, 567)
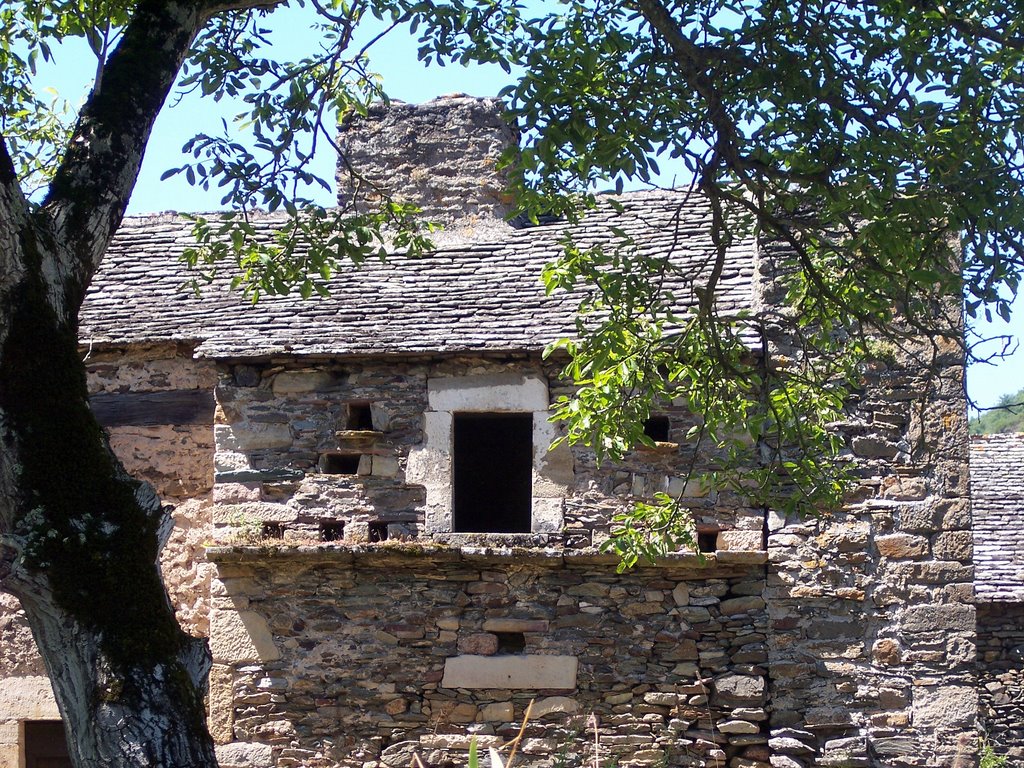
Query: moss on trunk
point(77, 509)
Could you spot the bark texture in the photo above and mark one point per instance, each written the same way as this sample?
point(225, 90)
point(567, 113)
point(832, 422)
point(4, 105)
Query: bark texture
point(79, 538)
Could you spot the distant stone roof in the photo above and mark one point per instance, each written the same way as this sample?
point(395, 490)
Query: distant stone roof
point(997, 490)
point(479, 292)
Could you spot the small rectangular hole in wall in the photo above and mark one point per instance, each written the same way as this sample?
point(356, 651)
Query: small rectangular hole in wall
point(511, 642)
point(272, 531)
point(378, 531)
point(657, 428)
point(359, 416)
point(332, 530)
point(340, 463)
point(707, 541)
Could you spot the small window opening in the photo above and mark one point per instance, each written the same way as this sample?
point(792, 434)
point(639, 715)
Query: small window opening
point(656, 428)
point(359, 416)
point(340, 463)
point(378, 531)
point(511, 642)
point(332, 530)
point(272, 531)
point(707, 541)
point(492, 477)
point(45, 744)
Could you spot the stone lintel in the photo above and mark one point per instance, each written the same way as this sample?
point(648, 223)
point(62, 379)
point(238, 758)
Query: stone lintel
point(510, 672)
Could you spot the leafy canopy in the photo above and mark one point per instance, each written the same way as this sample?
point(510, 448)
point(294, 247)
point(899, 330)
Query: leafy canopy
point(880, 143)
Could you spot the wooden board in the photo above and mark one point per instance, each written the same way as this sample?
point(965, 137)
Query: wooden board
point(181, 406)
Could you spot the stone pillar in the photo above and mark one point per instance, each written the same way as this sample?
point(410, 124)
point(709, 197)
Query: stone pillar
point(872, 641)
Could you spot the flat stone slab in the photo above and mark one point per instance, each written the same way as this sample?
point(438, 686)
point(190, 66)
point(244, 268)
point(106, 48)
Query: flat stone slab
point(510, 672)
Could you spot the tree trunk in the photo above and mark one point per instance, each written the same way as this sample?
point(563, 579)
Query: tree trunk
point(137, 715)
point(79, 538)
point(83, 540)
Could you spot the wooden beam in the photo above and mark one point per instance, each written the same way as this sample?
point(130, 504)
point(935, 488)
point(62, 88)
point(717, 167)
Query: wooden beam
point(180, 406)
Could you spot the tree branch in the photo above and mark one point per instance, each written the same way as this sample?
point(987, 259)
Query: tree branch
point(91, 188)
point(13, 218)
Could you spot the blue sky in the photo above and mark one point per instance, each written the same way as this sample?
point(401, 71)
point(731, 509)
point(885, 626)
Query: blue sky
point(407, 79)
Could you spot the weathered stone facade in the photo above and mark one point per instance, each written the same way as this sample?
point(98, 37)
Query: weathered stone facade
point(997, 489)
point(359, 662)
point(442, 156)
point(1001, 677)
point(308, 451)
point(278, 422)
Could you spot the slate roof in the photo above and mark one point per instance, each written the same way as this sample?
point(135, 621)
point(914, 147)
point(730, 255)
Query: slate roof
point(479, 292)
point(997, 489)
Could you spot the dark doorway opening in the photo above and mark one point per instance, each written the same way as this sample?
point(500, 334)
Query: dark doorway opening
point(340, 463)
point(511, 642)
point(45, 744)
point(492, 473)
point(707, 541)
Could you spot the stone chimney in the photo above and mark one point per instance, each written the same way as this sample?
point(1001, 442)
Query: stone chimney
point(441, 155)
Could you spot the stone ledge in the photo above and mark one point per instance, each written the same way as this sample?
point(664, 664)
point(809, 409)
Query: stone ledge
point(411, 554)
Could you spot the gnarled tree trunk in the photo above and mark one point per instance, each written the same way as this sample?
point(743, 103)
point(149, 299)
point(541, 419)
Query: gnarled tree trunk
point(79, 538)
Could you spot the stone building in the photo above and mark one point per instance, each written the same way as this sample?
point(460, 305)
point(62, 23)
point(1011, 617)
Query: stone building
point(366, 591)
point(997, 491)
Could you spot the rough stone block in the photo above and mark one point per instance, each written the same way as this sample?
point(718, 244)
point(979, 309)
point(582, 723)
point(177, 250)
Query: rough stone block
point(939, 618)
point(301, 382)
point(241, 636)
point(902, 546)
point(244, 437)
point(480, 643)
point(548, 515)
point(385, 466)
point(737, 605)
point(739, 690)
point(242, 754)
point(498, 712)
point(740, 540)
point(681, 594)
point(554, 705)
point(28, 698)
point(236, 493)
point(503, 392)
point(221, 704)
point(945, 706)
point(954, 545)
point(511, 672)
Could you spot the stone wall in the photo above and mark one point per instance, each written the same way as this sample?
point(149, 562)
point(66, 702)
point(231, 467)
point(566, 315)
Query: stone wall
point(1001, 677)
point(279, 424)
point(352, 657)
point(872, 642)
